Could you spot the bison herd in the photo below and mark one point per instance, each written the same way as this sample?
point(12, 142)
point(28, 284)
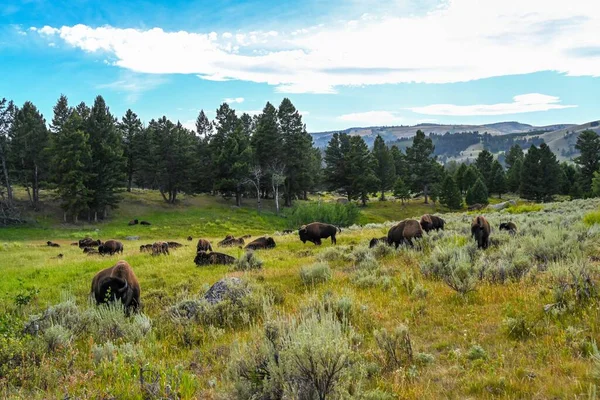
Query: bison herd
point(119, 282)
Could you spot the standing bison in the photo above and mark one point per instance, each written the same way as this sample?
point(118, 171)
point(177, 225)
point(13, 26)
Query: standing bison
point(117, 283)
point(111, 247)
point(480, 230)
point(431, 222)
point(404, 232)
point(89, 242)
point(160, 248)
point(509, 226)
point(316, 231)
point(375, 241)
point(261, 243)
point(203, 245)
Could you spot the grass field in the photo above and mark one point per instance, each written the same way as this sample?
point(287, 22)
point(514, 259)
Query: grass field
point(525, 325)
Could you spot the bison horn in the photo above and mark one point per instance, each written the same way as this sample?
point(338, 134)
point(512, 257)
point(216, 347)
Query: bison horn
point(124, 288)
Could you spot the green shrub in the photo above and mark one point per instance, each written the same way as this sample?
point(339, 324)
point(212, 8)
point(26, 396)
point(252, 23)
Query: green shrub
point(518, 328)
point(476, 352)
point(329, 213)
point(247, 262)
point(316, 273)
point(57, 337)
point(377, 394)
point(592, 218)
point(524, 208)
point(395, 347)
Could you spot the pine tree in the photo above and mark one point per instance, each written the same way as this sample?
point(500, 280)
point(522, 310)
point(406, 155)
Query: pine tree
point(568, 177)
point(596, 184)
point(337, 169)
point(107, 172)
point(7, 114)
point(450, 194)
point(401, 190)
point(513, 176)
point(267, 141)
point(515, 153)
point(459, 178)
point(588, 144)
point(72, 156)
point(362, 174)
point(62, 111)
point(203, 179)
point(204, 128)
point(400, 163)
point(498, 179)
point(29, 140)
point(483, 163)
point(530, 187)
point(422, 164)
point(385, 170)
point(130, 127)
point(477, 194)
point(470, 177)
point(550, 173)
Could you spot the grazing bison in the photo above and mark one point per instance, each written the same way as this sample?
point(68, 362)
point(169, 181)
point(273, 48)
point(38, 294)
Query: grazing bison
point(203, 245)
point(375, 241)
point(404, 232)
point(145, 247)
point(117, 283)
point(431, 222)
point(509, 226)
point(174, 245)
point(189, 238)
point(204, 258)
point(230, 241)
point(261, 243)
point(89, 242)
point(160, 248)
point(111, 247)
point(316, 231)
point(480, 230)
point(52, 244)
point(89, 250)
point(145, 223)
point(134, 222)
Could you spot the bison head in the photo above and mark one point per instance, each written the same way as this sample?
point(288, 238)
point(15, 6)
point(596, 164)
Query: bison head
point(112, 289)
point(303, 234)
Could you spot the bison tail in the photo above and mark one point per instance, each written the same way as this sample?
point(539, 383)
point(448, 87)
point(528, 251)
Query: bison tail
point(339, 229)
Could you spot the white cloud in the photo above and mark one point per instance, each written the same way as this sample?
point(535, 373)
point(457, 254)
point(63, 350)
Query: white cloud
point(523, 103)
point(372, 118)
point(134, 85)
point(460, 40)
point(230, 100)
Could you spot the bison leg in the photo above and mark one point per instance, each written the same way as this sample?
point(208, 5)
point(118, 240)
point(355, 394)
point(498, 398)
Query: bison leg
point(333, 240)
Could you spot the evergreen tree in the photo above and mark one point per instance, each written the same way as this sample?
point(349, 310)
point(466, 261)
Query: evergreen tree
point(267, 141)
point(7, 114)
point(498, 179)
point(477, 194)
point(470, 177)
point(72, 156)
point(131, 127)
point(422, 164)
point(450, 194)
point(62, 111)
point(515, 153)
point(483, 163)
point(400, 163)
point(513, 176)
point(460, 178)
point(568, 178)
point(596, 184)
point(361, 166)
point(385, 170)
point(401, 190)
point(204, 128)
point(203, 178)
point(235, 160)
point(106, 174)
point(29, 140)
point(530, 187)
point(550, 173)
point(588, 144)
point(337, 168)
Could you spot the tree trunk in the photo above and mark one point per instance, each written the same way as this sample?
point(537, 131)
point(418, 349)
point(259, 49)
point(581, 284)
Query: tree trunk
point(95, 216)
point(163, 194)
point(286, 194)
point(238, 198)
point(129, 182)
point(105, 213)
point(65, 217)
point(36, 189)
point(276, 194)
point(258, 201)
point(426, 193)
point(76, 218)
point(305, 194)
point(382, 198)
point(29, 195)
point(6, 180)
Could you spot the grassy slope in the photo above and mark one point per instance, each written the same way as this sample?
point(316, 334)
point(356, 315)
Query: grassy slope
point(441, 324)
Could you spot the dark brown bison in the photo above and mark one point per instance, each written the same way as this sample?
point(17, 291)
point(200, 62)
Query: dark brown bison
point(52, 244)
point(261, 243)
point(480, 230)
point(375, 241)
point(230, 241)
point(203, 245)
point(204, 258)
point(111, 247)
point(90, 250)
point(431, 222)
point(316, 231)
point(246, 236)
point(89, 242)
point(404, 232)
point(509, 226)
point(189, 238)
point(474, 207)
point(75, 244)
point(174, 245)
point(160, 248)
point(145, 223)
point(145, 247)
point(117, 283)
point(133, 222)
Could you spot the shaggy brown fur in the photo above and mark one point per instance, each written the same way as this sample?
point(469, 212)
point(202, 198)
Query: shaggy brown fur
point(316, 231)
point(52, 244)
point(480, 230)
point(426, 223)
point(111, 247)
point(204, 258)
point(509, 226)
point(230, 241)
point(134, 222)
point(375, 241)
point(160, 248)
point(203, 245)
point(261, 243)
point(122, 283)
point(174, 245)
point(146, 247)
point(89, 242)
point(90, 250)
point(404, 232)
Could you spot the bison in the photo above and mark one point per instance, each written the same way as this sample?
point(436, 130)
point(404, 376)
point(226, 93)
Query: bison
point(480, 230)
point(89, 250)
point(316, 231)
point(111, 247)
point(287, 231)
point(261, 243)
point(89, 242)
point(160, 248)
point(133, 222)
point(189, 238)
point(204, 258)
point(509, 226)
point(52, 244)
point(174, 245)
point(145, 223)
point(117, 283)
point(203, 245)
point(375, 241)
point(230, 241)
point(145, 247)
point(431, 222)
point(75, 244)
point(404, 232)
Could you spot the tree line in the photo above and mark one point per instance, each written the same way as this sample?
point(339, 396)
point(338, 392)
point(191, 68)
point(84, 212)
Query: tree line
point(89, 156)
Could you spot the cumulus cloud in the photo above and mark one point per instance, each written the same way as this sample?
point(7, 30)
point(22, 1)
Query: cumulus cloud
point(523, 103)
point(460, 40)
point(230, 100)
point(372, 118)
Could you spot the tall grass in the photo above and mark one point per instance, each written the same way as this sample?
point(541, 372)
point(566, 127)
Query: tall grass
point(330, 213)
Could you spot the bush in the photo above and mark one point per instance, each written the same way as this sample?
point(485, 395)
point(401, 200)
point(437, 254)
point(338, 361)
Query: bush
point(518, 328)
point(524, 208)
point(592, 218)
point(248, 262)
point(476, 352)
point(57, 337)
point(316, 273)
point(395, 347)
point(575, 287)
point(329, 213)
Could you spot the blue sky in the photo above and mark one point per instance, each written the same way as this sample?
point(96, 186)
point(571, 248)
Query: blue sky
point(342, 63)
